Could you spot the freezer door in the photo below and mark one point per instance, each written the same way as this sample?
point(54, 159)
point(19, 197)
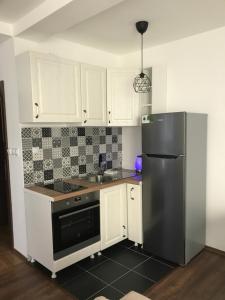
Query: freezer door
point(165, 134)
point(163, 207)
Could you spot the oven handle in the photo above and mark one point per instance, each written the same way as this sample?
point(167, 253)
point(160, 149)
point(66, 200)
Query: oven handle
point(78, 211)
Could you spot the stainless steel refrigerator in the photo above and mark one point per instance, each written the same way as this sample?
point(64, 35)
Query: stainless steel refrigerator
point(174, 185)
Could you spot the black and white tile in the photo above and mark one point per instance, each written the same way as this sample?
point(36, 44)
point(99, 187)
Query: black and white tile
point(55, 153)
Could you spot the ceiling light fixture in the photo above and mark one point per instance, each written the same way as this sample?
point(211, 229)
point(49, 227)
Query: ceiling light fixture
point(142, 83)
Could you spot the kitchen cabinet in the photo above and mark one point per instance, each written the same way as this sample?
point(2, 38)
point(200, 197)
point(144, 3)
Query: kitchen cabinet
point(134, 205)
point(53, 89)
point(113, 215)
point(49, 88)
point(93, 91)
point(123, 108)
point(120, 218)
point(156, 100)
point(38, 209)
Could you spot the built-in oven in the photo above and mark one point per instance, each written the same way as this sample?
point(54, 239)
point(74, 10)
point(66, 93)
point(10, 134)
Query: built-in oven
point(75, 223)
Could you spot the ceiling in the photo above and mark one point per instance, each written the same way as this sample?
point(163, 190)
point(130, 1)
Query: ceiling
point(114, 31)
point(3, 37)
point(109, 24)
point(12, 10)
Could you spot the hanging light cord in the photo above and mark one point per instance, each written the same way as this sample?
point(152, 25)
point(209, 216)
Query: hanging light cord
point(142, 83)
point(142, 53)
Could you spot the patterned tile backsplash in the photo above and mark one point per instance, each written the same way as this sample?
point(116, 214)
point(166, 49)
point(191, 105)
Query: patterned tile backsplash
point(54, 153)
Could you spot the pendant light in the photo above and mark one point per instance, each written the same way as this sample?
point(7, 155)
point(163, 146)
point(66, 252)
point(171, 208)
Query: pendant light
point(142, 83)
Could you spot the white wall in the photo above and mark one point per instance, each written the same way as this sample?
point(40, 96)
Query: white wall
point(8, 74)
point(196, 83)
point(131, 143)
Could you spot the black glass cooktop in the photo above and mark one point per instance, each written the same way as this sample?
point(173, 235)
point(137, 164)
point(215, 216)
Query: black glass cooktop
point(64, 187)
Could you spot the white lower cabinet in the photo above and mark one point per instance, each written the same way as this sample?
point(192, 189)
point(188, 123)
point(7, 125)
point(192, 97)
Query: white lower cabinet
point(38, 209)
point(113, 211)
point(120, 218)
point(134, 205)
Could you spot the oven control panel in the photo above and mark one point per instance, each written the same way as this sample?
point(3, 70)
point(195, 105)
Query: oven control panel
point(75, 201)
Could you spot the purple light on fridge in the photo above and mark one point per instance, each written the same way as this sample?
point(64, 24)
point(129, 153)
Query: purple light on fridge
point(138, 163)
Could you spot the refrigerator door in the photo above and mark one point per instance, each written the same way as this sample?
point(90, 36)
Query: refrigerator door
point(163, 207)
point(165, 134)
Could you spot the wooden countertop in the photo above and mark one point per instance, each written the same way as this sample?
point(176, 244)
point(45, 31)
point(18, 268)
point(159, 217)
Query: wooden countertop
point(90, 187)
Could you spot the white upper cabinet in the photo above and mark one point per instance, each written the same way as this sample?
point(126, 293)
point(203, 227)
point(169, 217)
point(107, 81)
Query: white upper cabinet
point(122, 101)
point(49, 88)
point(52, 89)
point(93, 90)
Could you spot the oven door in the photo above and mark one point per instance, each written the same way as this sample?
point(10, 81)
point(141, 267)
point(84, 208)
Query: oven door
point(75, 228)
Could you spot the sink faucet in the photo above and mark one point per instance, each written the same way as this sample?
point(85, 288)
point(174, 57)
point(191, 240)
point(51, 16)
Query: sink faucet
point(101, 164)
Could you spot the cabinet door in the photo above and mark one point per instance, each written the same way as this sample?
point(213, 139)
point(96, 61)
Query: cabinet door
point(113, 203)
point(56, 89)
point(122, 101)
point(93, 89)
point(134, 203)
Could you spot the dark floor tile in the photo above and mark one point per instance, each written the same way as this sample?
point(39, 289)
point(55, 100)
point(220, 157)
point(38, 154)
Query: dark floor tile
point(89, 263)
point(68, 274)
point(127, 243)
point(126, 257)
point(108, 292)
point(153, 269)
point(109, 271)
point(139, 249)
point(114, 250)
point(167, 262)
point(132, 282)
point(83, 286)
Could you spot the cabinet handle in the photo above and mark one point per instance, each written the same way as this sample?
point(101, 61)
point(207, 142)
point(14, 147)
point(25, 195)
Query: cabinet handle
point(131, 190)
point(124, 226)
point(85, 112)
point(109, 112)
point(124, 235)
point(37, 110)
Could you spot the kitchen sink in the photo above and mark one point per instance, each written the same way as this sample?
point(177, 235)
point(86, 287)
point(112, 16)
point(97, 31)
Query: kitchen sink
point(100, 178)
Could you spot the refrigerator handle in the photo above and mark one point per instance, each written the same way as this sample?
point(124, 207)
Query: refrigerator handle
point(164, 156)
